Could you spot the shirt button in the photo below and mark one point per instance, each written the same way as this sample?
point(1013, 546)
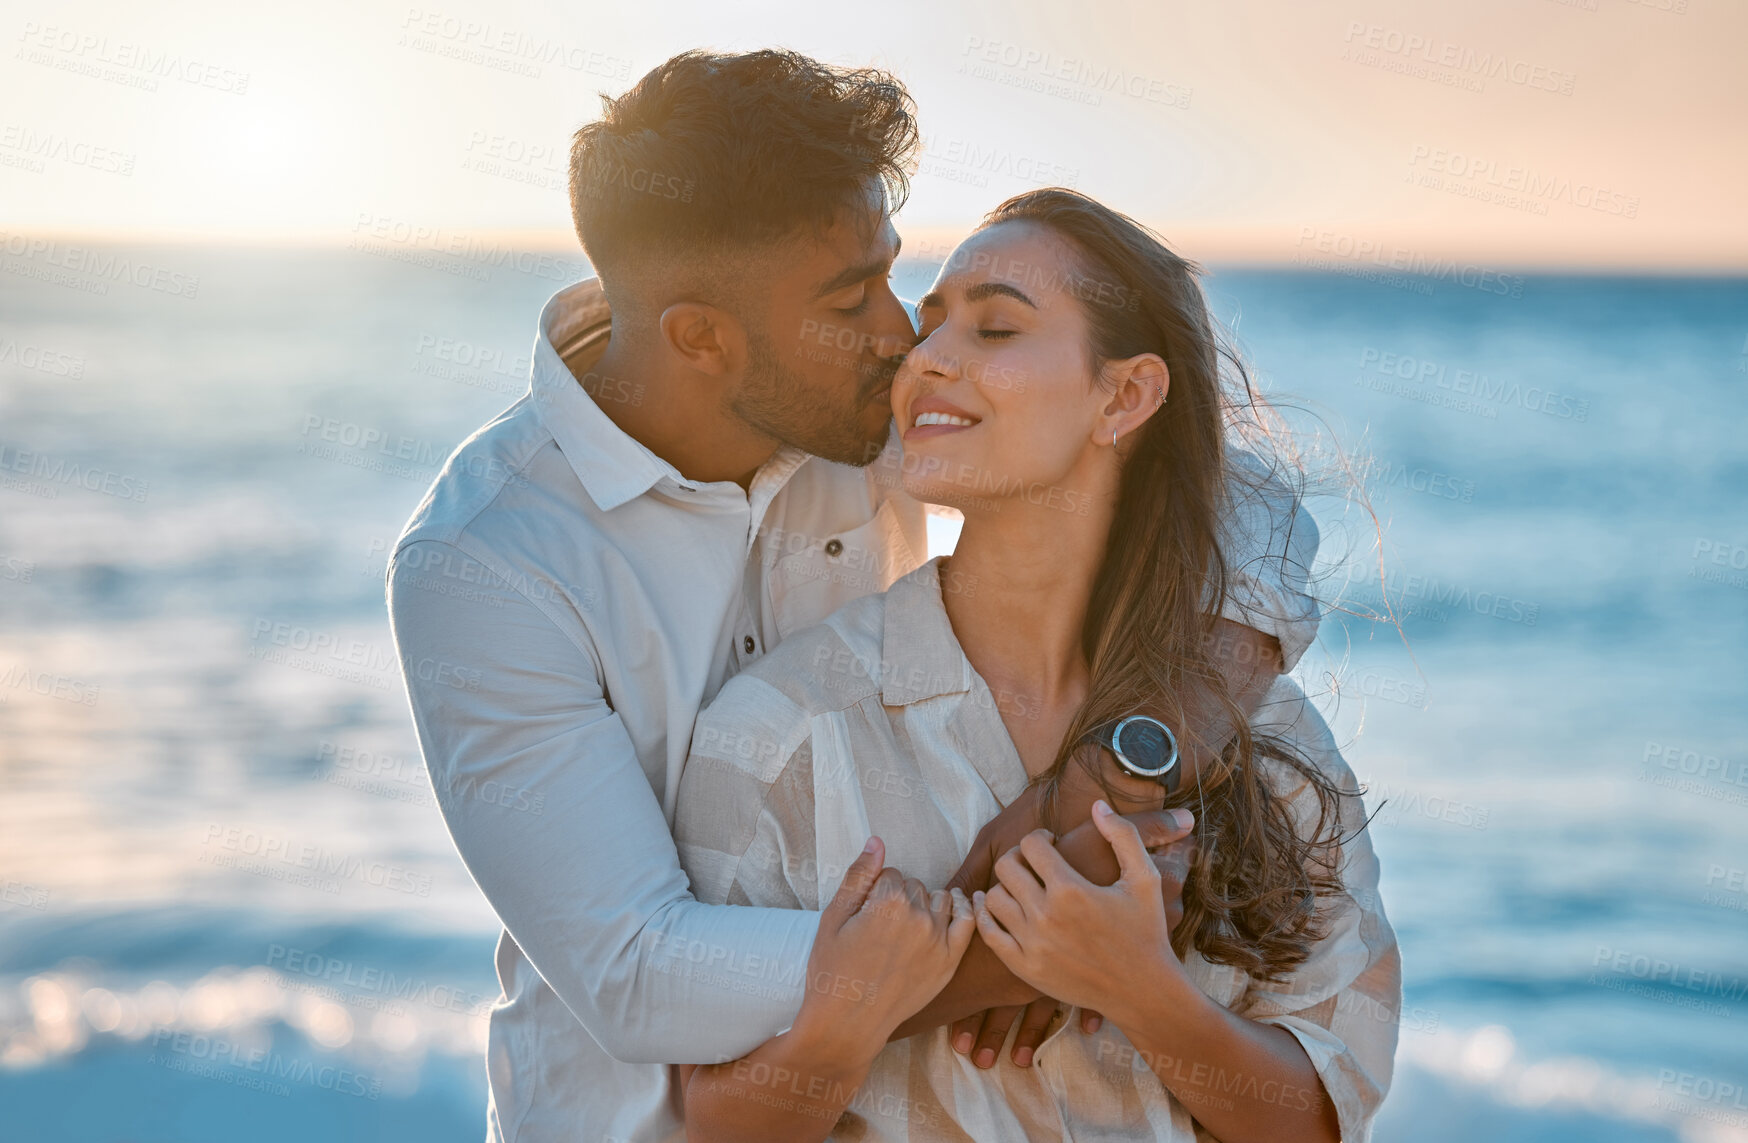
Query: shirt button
point(749, 644)
point(834, 547)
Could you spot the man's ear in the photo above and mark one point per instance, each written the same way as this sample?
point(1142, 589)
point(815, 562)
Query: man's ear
point(709, 340)
point(1140, 386)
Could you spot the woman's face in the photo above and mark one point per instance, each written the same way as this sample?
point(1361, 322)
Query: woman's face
point(998, 398)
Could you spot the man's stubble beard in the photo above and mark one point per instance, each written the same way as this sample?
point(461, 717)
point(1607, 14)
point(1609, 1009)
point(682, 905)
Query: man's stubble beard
point(777, 402)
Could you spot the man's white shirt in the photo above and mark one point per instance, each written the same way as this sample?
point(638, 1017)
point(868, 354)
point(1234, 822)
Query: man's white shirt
point(564, 603)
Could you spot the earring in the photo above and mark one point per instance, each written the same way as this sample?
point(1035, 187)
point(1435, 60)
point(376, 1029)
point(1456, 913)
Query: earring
point(1113, 438)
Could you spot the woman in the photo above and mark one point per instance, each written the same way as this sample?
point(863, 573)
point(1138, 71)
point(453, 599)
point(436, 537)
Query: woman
point(1066, 397)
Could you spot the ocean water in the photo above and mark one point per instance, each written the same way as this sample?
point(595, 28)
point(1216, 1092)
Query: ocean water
point(228, 908)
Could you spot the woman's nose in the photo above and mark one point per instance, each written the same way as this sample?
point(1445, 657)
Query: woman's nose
point(926, 359)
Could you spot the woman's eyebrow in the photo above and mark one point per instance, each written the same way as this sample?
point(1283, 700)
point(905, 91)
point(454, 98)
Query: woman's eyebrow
point(990, 289)
point(976, 294)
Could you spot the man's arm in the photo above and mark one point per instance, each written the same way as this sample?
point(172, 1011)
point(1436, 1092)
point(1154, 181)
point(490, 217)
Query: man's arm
point(547, 803)
point(880, 929)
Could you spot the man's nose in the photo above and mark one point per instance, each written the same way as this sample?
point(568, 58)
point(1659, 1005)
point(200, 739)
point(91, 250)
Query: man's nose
point(894, 347)
point(896, 339)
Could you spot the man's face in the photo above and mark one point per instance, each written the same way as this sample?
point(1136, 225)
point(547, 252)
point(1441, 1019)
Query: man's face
point(820, 368)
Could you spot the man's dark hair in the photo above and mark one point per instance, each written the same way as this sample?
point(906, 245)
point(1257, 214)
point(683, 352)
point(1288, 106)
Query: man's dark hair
point(720, 154)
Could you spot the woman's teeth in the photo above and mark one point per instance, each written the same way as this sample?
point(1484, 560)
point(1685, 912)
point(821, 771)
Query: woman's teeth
point(941, 419)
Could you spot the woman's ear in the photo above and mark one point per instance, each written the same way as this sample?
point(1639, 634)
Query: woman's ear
point(1140, 387)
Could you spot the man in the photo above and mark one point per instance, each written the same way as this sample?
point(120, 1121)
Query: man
point(701, 467)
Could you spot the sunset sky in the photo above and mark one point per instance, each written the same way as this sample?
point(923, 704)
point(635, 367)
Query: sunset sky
point(1594, 133)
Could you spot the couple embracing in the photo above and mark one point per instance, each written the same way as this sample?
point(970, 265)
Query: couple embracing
point(1034, 841)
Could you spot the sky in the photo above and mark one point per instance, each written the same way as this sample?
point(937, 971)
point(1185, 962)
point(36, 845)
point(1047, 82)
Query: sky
point(1551, 133)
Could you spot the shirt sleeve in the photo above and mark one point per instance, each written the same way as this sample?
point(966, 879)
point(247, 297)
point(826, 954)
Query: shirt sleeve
point(1344, 1003)
point(1269, 542)
point(542, 791)
point(745, 820)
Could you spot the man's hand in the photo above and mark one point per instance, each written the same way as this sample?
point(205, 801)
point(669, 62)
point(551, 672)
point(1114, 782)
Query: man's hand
point(1169, 841)
point(885, 947)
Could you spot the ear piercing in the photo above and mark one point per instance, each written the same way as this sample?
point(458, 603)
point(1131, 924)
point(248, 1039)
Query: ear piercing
point(1160, 393)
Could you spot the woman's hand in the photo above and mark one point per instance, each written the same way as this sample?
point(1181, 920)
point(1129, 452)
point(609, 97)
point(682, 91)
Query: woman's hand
point(979, 1037)
point(886, 946)
point(1072, 939)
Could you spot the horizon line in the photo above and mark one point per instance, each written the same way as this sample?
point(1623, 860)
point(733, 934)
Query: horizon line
point(1221, 246)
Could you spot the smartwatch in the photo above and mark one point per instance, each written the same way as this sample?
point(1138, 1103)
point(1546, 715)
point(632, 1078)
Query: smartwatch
point(1142, 746)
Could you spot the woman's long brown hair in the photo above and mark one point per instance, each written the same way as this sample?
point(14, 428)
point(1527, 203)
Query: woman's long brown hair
point(1254, 886)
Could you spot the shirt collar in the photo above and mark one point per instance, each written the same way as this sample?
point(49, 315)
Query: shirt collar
point(921, 657)
point(613, 467)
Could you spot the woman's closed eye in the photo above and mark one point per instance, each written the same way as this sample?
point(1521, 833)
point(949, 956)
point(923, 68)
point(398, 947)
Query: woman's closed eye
point(997, 334)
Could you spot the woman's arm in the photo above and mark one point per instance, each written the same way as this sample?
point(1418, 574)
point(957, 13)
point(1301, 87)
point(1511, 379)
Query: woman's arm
point(885, 946)
point(1250, 661)
point(1110, 949)
point(1242, 1080)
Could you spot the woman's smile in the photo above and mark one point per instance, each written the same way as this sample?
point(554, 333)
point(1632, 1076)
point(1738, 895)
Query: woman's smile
point(933, 416)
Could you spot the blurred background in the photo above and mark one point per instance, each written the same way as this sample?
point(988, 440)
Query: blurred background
point(261, 268)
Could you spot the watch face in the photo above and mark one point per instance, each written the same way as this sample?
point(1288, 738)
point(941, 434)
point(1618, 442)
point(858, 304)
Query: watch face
point(1147, 744)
